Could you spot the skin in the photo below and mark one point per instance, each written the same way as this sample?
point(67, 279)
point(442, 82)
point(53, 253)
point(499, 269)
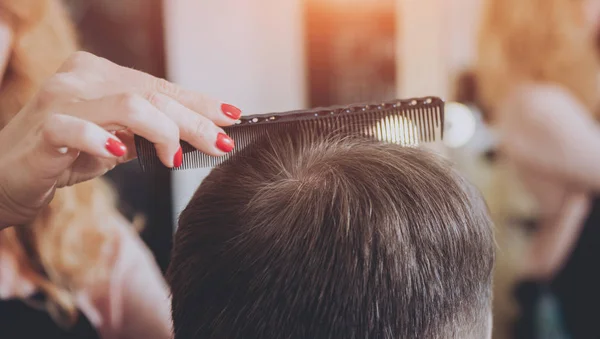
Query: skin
point(58, 139)
point(550, 137)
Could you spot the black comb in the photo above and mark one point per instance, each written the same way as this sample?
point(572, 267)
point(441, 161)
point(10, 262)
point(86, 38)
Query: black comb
point(405, 122)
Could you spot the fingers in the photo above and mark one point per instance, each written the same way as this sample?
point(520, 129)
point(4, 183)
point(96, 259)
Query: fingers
point(132, 112)
point(194, 128)
point(123, 79)
point(222, 114)
point(64, 132)
point(160, 112)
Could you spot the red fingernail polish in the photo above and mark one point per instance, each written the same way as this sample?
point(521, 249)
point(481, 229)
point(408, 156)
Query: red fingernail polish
point(115, 147)
point(231, 111)
point(178, 158)
point(225, 143)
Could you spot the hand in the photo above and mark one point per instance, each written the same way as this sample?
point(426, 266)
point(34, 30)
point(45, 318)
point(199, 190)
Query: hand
point(82, 122)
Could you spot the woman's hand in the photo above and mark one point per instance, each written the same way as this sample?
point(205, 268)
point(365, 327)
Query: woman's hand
point(82, 122)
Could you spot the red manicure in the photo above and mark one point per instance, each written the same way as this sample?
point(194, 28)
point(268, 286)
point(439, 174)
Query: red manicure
point(225, 143)
point(231, 111)
point(115, 147)
point(178, 159)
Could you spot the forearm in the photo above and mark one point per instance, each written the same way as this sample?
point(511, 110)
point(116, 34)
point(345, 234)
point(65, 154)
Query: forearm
point(552, 244)
point(582, 168)
point(146, 305)
point(145, 302)
point(136, 303)
point(549, 247)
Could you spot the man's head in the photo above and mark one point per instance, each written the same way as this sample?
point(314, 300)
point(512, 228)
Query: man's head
point(332, 238)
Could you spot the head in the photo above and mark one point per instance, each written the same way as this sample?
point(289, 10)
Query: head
point(63, 248)
point(332, 238)
point(552, 41)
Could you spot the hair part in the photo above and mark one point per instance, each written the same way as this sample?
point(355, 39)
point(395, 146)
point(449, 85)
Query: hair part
point(332, 238)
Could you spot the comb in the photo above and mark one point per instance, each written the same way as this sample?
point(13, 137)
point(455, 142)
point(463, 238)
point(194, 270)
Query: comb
point(404, 122)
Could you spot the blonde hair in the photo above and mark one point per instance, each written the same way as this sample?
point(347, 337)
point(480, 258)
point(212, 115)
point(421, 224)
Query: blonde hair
point(69, 244)
point(539, 41)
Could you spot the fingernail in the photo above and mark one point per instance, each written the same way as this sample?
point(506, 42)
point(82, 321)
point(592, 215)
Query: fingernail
point(115, 147)
point(225, 143)
point(231, 111)
point(178, 158)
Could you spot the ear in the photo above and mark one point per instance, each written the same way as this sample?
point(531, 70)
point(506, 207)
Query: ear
point(6, 40)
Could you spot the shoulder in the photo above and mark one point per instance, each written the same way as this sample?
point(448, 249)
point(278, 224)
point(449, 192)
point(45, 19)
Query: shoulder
point(538, 106)
point(535, 98)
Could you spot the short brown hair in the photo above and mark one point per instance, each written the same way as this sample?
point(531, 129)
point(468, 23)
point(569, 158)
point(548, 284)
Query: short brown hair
point(332, 238)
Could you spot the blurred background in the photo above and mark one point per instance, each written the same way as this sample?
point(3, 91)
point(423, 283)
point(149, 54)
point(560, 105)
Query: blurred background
point(274, 55)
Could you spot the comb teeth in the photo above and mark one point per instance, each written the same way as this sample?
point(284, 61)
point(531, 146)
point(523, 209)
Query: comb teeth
point(404, 122)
